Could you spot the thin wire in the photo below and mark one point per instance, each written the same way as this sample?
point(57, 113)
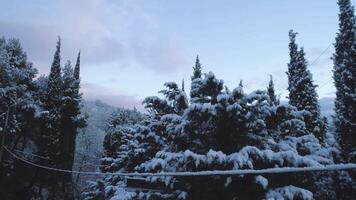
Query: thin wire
point(322, 53)
point(34, 155)
point(325, 84)
point(348, 166)
point(317, 58)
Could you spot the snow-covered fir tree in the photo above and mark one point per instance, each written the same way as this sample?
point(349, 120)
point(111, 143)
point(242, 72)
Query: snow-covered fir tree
point(345, 80)
point(344, 74)
point(302, 92)
point(222, 131)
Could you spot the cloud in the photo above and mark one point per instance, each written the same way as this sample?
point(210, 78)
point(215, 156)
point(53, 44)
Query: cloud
point(162, 56)
point(37, 43)
point(110, 96)
point(104, 31)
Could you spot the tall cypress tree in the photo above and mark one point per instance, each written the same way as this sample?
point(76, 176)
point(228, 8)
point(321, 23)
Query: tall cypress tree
point(344, 76)
point(49, 143)
point(302, 93)
point(77, 67)
point(271, 93)
point(69, 110)
point(52, 105)
point(183, 85)
point(196, 69)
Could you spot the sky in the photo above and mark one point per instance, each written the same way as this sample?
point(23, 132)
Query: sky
point(130, 48)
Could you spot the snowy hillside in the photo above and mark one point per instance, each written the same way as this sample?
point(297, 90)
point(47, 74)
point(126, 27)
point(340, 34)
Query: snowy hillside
point(98, 113)
point(89, 143)
point(90, 139)
point(327, 106)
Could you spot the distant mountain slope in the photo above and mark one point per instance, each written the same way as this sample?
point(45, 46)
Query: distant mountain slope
point(327, 106)
point(89, 142)
point(98, 112)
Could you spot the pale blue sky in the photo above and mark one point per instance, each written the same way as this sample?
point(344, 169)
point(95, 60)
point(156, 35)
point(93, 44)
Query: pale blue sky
point(131, 47)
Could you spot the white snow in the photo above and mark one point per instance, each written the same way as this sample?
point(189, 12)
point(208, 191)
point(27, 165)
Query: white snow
point(262, 181)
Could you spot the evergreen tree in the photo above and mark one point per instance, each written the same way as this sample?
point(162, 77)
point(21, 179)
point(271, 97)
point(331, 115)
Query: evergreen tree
point(271, 93)
point(49, 144)
point(196, 81)
point(17, 114)
point(71, 120)
point(77, 67)
point(302, 93)
point(52, 104)
point(197, 69)
point(69, 111)
point(223, 131)
point(16, 85)
point(183, 85)
point(344, 76)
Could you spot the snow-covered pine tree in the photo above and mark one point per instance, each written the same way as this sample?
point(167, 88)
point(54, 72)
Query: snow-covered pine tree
point(17, 114)
point(302, 93)
point(345, 80)
point(175, 97)
point(273, 100)
point(16, 85)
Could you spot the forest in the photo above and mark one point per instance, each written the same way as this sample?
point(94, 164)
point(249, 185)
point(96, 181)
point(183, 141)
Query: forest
point(203, 141)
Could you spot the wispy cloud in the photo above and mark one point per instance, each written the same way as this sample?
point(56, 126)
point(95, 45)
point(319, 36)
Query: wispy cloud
point(110, 96)
point(100, 29)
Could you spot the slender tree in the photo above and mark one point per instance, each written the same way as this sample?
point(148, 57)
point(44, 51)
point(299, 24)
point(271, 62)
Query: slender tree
point(196, 82)
point(77, 67)
point(183, 85)
point(52, 105)
point(271, 93)
point(69, 111)
point(197, 69)
point(49, 143)
point(302, 92)
point(344, 76)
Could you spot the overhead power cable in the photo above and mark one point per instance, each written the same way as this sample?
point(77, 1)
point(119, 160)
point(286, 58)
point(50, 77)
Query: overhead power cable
point(317, 58)
point(334, 167)
point(31, 154)
point(322, 53)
